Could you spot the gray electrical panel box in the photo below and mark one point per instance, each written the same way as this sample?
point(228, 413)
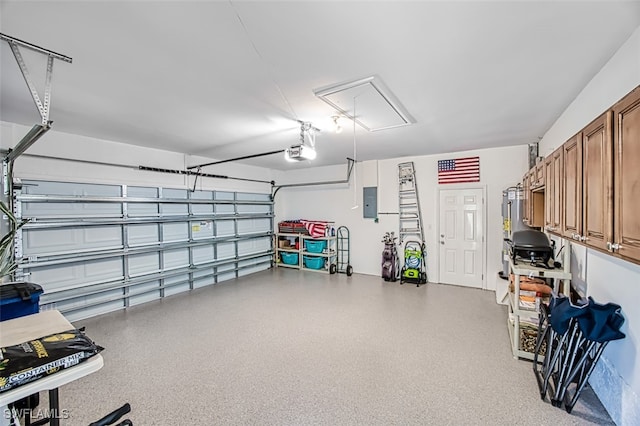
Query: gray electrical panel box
point(370, 197)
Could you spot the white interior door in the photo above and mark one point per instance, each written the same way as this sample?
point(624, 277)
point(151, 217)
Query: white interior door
point(462, 237)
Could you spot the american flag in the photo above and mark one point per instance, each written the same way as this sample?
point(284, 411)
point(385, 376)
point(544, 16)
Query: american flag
point(316, 229)
point(459, 170)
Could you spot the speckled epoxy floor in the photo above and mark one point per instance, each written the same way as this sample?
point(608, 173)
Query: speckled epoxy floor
point(285, 347)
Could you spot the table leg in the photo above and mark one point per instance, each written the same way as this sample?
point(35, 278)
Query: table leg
point(54, 407)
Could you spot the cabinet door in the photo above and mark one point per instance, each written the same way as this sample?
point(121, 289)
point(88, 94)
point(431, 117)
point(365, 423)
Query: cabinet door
point(553, 192)
point(540, 174)
point(597, 183)
point(526, 202)
point(556, 180)
point(627, 175)
point(572, 188)
point(548, 193)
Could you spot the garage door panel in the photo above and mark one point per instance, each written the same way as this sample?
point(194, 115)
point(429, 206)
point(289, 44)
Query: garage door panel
point(204, 277)
point(169, 209)
point(142, 209)
point(178, 231)
point(70, 188)
point(176, 285)
point(57, 277)
point(246, 247)
point(39, 241)
point(143, 234)
point(226, 250)
point(202, 209)
point(225, 228)
point(145, 292)
point(248, 226)
point(143, 264)
point(202, 254)
point(86, 311)
point(176, 258)
point(202, 229)
point(226, 276)
point(63, 210)
point(87, 268)
point(77, 274)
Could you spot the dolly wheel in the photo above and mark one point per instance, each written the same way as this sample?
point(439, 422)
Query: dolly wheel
point(349, 270)
point(333, 268)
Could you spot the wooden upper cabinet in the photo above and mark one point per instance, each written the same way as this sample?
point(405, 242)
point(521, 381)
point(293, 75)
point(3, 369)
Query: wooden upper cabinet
point(558, 170)
point(597, 183)
point(533, 205)
point(526, 203)
point(548, 193)
point(537, 176)
point(553, 169)
point(572, 188)
point(627, 176)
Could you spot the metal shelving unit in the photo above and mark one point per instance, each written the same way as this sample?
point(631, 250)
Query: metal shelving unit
point(330, 254)
point(517, 313)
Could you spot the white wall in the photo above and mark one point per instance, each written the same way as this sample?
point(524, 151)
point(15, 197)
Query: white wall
point(616, 379)
point(59, 144)
point(499, 169)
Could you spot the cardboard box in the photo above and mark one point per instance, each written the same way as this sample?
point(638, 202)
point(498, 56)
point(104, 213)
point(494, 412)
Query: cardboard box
point(283, 244)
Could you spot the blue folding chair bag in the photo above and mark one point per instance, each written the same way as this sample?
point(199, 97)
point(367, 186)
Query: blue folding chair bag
point(561, 311)
point(602, 323)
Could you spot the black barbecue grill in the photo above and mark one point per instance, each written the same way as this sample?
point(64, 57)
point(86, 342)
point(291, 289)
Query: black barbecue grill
point(531, 246)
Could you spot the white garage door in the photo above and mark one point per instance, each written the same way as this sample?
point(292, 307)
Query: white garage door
point(98, 248)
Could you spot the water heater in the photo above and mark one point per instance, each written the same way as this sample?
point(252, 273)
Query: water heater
point(512, 210)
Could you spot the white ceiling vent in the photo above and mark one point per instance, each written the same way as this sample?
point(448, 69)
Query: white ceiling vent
point(377, 108)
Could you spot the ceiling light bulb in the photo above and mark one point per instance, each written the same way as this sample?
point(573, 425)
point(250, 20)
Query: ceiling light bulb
point(309, 154)
point(336, 126)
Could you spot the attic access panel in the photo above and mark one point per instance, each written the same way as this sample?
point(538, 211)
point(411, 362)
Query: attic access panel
point(375, 106)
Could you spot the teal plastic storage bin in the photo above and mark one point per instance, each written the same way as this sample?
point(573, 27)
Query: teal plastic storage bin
point(314, 246)
point(289, 258)
point(313, 262)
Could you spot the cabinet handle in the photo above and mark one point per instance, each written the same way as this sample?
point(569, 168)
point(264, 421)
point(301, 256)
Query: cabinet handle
point(615, 246)
point(583, 238)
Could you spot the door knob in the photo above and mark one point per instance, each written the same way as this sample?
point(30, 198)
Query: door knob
point(442, 242)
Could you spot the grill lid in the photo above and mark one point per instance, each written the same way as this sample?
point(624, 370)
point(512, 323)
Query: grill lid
point(530, 239)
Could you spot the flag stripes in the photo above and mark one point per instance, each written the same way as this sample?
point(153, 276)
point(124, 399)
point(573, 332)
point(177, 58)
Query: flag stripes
point(459, 170)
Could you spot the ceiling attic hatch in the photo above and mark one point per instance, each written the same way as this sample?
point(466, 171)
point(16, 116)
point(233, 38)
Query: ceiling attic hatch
point(378, 108)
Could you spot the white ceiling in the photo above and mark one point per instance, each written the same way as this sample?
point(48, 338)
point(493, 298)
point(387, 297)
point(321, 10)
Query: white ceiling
point(225, 79)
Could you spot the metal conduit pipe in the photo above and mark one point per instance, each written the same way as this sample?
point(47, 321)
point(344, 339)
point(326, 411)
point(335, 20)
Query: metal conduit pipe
point(350, 163)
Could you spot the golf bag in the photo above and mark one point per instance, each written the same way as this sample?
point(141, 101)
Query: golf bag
point(389, 257)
